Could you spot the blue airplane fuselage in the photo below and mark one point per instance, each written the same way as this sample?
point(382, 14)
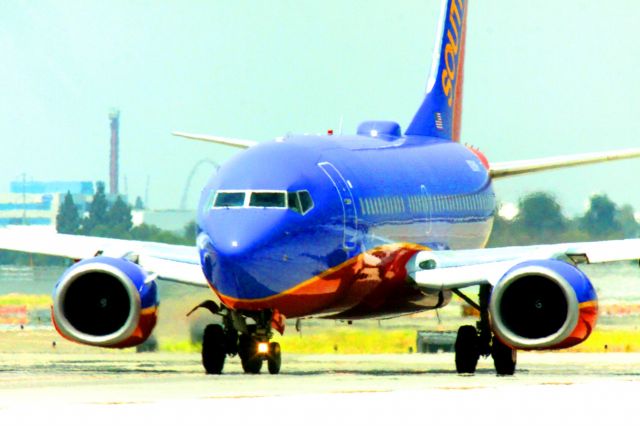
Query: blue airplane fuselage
point(375, 201)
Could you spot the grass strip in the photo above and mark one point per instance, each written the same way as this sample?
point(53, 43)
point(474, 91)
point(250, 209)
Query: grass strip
point(376, 341)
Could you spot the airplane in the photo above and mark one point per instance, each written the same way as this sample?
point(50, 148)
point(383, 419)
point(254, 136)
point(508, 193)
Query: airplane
point(374, 225)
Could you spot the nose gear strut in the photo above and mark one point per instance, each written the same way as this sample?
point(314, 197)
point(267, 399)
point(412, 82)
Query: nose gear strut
point(251, 342)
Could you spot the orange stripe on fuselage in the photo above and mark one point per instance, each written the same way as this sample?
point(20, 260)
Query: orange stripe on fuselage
point(339, 288)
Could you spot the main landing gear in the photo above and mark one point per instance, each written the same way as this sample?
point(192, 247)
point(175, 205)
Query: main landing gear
point(473, 342)
point(251, 342)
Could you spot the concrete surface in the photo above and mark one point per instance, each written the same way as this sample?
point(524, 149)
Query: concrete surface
point(129, 388)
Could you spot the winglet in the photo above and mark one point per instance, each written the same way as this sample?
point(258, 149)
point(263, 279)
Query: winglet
point(237, 143)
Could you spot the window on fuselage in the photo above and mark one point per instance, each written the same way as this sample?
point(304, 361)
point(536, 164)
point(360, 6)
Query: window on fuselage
point(268, 199)
point(294, 202)
point(210, 200)
point(229, 199)
point(306, 202)
point(300, 201)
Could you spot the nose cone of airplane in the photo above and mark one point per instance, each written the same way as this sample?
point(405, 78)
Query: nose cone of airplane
point(239, 243)
point(236, 233)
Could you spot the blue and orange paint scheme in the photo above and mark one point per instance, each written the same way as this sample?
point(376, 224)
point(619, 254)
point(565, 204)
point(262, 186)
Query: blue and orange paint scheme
point(378, 224)
point(343, 255)
point(378, 198)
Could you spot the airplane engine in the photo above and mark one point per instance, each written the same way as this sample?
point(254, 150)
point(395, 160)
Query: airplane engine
point(105, 301)
point(543, 304)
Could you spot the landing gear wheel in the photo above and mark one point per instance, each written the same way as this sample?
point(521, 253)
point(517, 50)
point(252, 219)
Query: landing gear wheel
point(213, 349)
point(275, 358)
point(504, 358)
point(249, 357)
point(467, 350)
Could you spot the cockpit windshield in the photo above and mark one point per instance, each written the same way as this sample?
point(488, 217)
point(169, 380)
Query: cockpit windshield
point(267, 199)
point(229, 199)
point(298, 201)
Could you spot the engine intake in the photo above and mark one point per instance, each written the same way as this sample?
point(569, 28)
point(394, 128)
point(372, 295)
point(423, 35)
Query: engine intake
point(543, 304)
point(103, 301)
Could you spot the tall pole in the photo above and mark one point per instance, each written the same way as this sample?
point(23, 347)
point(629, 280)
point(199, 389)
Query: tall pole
point(114, 116)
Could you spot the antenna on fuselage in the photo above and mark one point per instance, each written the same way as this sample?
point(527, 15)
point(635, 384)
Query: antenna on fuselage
point(340, 125)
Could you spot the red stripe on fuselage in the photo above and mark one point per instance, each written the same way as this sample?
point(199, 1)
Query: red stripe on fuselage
point(362, 284)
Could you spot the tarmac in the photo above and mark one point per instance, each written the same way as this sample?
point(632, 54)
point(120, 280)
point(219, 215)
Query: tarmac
point(165, 388)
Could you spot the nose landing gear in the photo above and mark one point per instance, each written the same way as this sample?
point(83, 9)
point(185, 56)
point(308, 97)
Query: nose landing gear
point(253, 352)
point(251, 342)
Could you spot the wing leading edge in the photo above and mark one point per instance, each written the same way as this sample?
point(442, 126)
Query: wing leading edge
point(512, 168)
point(167, 261)
point(450, 270)
point(236, 143)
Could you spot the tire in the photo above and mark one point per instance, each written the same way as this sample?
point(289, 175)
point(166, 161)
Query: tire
point(504, 358)
point(467, 350)
point(248, 351)
point(275, 358)
point(213, 349)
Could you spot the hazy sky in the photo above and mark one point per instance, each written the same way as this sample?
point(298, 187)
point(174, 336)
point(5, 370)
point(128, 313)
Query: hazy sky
point(542, 78)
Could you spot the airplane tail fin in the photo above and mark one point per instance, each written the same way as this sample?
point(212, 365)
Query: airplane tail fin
point(441, 111)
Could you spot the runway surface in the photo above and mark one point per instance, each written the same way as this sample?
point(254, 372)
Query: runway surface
point(58, 388)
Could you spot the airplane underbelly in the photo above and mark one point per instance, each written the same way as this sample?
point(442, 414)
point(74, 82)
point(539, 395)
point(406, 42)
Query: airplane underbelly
point(370, 284)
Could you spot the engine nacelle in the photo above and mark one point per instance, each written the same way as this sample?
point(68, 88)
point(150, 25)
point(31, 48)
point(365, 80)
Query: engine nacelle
point(543, 304)
point(105, 301)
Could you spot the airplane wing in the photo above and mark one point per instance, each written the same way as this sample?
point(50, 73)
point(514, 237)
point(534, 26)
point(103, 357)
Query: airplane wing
point(169, 262)
point(511, 168)
point(237, 143)
point(451, 270)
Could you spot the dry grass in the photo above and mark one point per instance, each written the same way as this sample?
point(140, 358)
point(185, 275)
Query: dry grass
point(610, 340)
point(380, 341)
point(30, 301)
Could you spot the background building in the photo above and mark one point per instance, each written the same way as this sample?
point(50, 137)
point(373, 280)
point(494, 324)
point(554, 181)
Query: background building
point(37, 203)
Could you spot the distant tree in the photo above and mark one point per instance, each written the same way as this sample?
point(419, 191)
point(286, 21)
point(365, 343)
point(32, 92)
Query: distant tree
point(601, 219)
point(139, 205)
point(628, 224)
point(540, 213)
point(97, 210)
point(505, 233)
point(146, 232)
point(118, 217)
point(67, 219)
point(190, 230)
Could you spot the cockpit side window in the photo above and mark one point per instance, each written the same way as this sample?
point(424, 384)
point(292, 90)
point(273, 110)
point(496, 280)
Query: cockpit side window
point(293, 202)
point(229, 199)
point(210, 199)
point(306, 203)
point(267, 199)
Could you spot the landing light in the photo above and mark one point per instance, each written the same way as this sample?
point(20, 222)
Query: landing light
point(263, 348)
point(428, 264)
point(374, 133)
